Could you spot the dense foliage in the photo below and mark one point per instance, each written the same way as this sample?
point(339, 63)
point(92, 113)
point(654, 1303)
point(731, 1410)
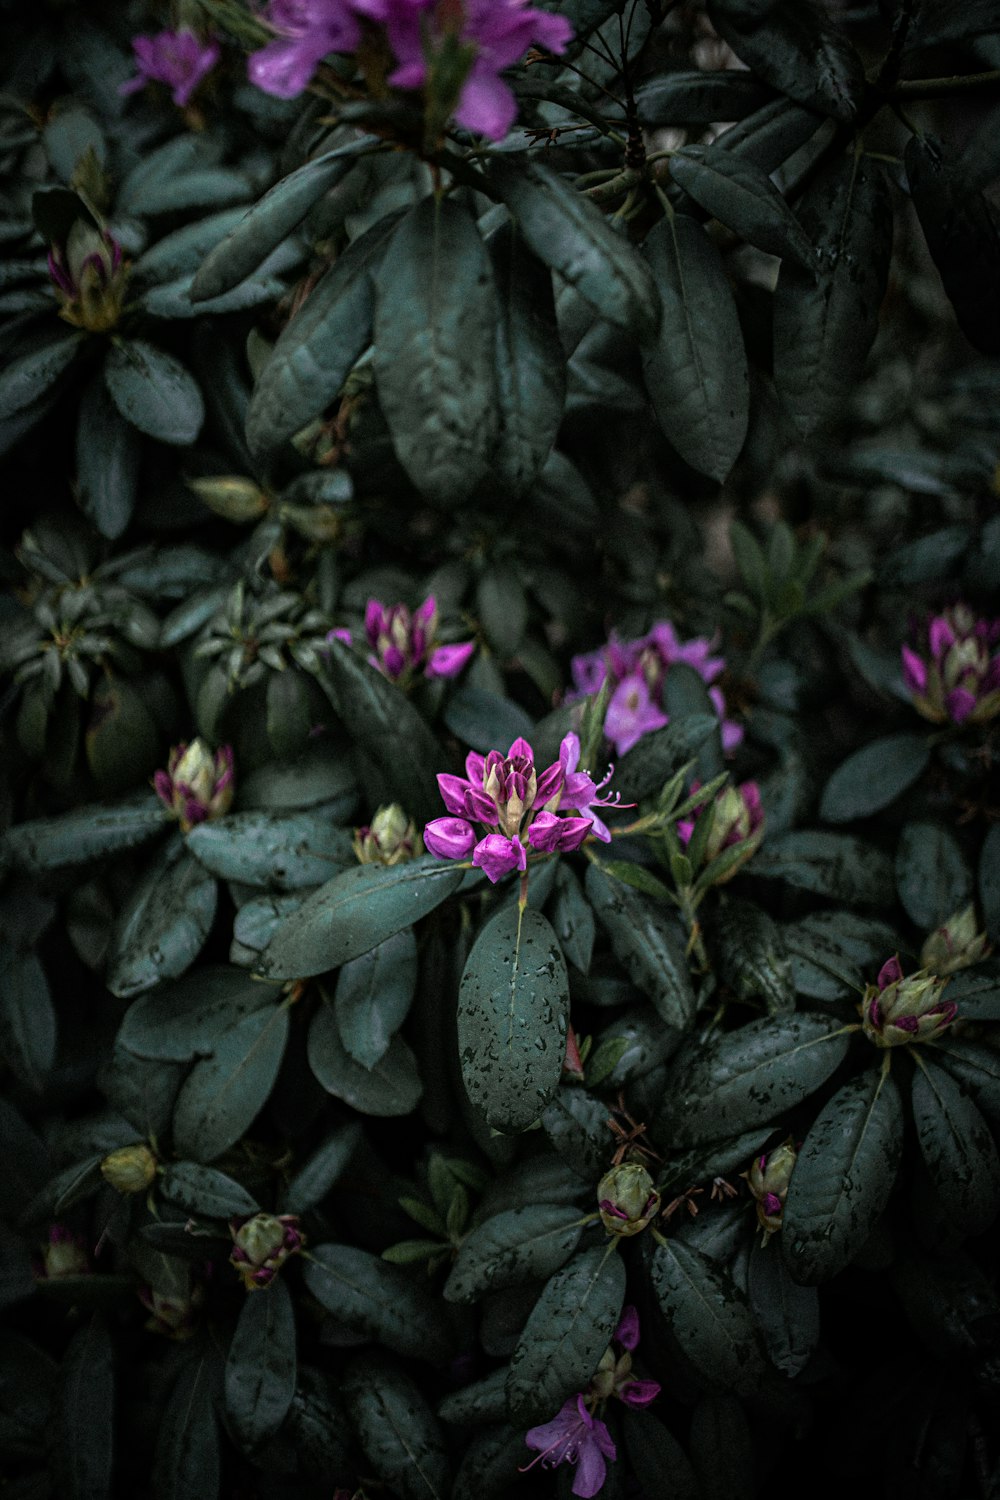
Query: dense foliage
point(501, 683)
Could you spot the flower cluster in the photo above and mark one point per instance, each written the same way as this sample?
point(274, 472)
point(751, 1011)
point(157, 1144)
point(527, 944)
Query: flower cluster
point(957, 678)
point(638, 670)
point(89, 277)
point(177, 58)
point(768, 1181)
point(506, 793)
point(576, 1435)
point(261, 1245)
point(455, 47)
point(403, 642)
point(737, 822)
point(896, 1010)
point(197, 785)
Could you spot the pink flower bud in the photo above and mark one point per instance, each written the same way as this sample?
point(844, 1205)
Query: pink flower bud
point(449, 838)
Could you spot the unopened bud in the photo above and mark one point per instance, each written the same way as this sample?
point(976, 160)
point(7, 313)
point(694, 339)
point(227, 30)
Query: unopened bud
point(768, 1181)
point(627, 1199)
point(197, 785)
point(899, 1009)
point(261, 1245)
point(955, 945)
point(230, 496)
point(130, 1169)
point(65, 1254)
point(391, 839)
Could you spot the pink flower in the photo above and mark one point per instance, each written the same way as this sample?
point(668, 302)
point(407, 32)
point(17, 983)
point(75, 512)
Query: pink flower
point(177, 58)
point(403, 643)
point(638, 670)
point(307, 31)
point(517, 807)
point(577, 1437)
point(957, 680)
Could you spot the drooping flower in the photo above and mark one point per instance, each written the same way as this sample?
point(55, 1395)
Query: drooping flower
point(506, 794)
point(899, 1009)
point(638, 671)
point(177, 58)
point(89, 277)
point(956, 944)
point(737, 822)
point(768, 1179)
point(577, 1437)
point(614, 1377)
point(956, 677)
point(261, 1245)
point(390, 839)
point(404, 643)
point(197, 785)
point(307, 31)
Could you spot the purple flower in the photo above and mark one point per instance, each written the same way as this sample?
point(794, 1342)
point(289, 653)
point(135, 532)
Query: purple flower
point(307, 31)
point(577, 1437)
point(196, 785)
point(637, 670)
point(957, 679)
point(403, 643)
point(517, 807)
point(176, 58)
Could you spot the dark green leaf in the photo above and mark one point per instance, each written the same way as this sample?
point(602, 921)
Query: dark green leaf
point(696, 371)
point(958, 1148)
point(753, 958)
point(786, 1313)
point(829, 864)
point(398, 1431)
point(28, 376)
point(187, 1463)
point(316, 1177)
point(530, 363)
point(691, 97)
point(27, 1019)
point(223, 1093)
point(743, 197)
point(260, 1366)
point(172, 299)
point(963, 236)
point(484, 720)
point(282, 851)
point(354, 912)
point(976, 991)
point(874, 776)
point(568, 1330)
point(502, 608)
point(317, 1425)
point(163, 925)
point(571, 235)
point(203, 1190)
point(824, 324)
point(843, 1177)
point(318, 348)
point(926, 558)
point(577, 1128)
point(85, 1415)
point(772, 133)
point(708, 1316)
point(378, 1301)
point(832, 952)
point(573, 919)
point(435, 330)
point(373, 997)
point(154, 392)
point(181, 252)
point(483, 1401)
point(270, 219)
point(795, 46)
point(391, 1086)
point(989, 881)
point(647, 941)
point(744, 1078)
point(513, 1247)
point(932, 877)
point(512, 1011)
point(107, 462)
point(178, 1022)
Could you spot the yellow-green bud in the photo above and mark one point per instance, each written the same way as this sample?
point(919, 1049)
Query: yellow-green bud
point(768, 1181)
point(955, 944)
point(230, 496)
point(391, 839)
point(899, 1009)
point(627, 1199)
point(261, 1245)
point(130, 1169)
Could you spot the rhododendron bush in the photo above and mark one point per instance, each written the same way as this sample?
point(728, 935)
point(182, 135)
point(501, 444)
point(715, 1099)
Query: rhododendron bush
point(500, 749)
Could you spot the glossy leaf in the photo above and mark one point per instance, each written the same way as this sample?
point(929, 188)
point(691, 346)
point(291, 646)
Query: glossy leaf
point(834, 952)
point(317, 1175)
point(874, 776)
point(397, 1430)
point(381, 1302)
point(753, 958)
point(85, 834)
point(828, 864)
point(154, 391)
point(28, 1025)
point(696, 370)
point(373, 996)
point(28, 375)
point(391, 1086)
point(932, 877)
point(795, 46)
point(223, 1093)
point(512, 1012)
point(187, 1462)
point(85, 1411)
point(843, 1176)
point(204, 1190)
point(742, 196)
point(280, 851)
point(180, 1021)
point(958, 1148)
point(163, 925)
point(512, 1247)
point(708, 1316)
point(107, 462)
point(647, 942)
point(260, 1366)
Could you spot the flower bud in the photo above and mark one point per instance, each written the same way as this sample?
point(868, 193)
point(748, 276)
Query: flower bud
point(955, 678)
point(955, 945)
point(627, 1199)
point(230, 496)
point(174, 1315)
point(897, 1010)
point(261, 1245)
point(392, 838)
point(89, 277)
point(65, 1254)
point(737, 825)
point(197, 785)
point(130, 1169)
point(768, 1181)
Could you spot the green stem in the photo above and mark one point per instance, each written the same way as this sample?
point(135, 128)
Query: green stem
point(937, 88)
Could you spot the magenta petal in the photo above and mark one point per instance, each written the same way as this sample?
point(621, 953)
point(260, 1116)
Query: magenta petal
point(453, 790)
point(914, 671)
point(548, 783)
point(486, 104)
point(941, 636)
point(497, 856)
point(521, 747)
point(478, 805)
point(627, 1332)
point(890, 972)
point(639, 1392)
point(448, 661)
point(449, 838)
point(960, 703)
point(544, 832)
